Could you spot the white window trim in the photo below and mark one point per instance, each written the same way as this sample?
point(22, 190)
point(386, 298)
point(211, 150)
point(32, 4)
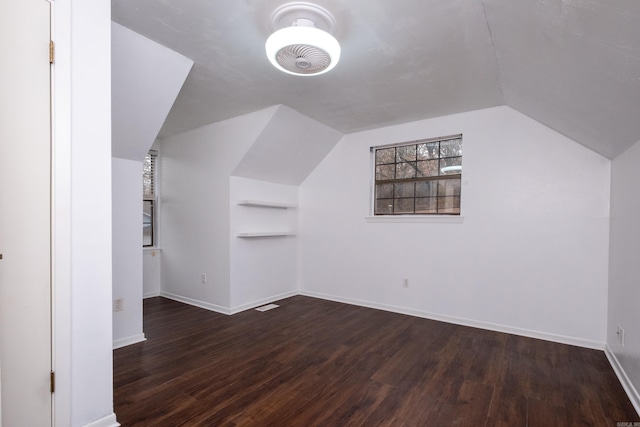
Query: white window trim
point(444, 219)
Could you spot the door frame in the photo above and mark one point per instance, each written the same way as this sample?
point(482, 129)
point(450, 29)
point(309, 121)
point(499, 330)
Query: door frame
point(82, 130)
point(61, 210)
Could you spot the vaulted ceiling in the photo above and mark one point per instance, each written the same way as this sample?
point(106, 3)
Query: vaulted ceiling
point(573, 65)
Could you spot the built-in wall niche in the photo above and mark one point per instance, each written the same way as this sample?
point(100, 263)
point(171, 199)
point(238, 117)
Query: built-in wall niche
point(262, 218)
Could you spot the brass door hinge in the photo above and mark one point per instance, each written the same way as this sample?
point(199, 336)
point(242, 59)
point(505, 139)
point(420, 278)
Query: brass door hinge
point(53, 382)
point(52, 52)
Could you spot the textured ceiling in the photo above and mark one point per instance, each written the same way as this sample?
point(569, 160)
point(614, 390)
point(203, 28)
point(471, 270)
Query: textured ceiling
point(573, 65)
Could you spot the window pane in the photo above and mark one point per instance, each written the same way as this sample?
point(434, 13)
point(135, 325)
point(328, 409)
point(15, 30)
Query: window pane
point(449, 205)
point(147, 176)
point(147, 223)
point(427, 151)
point(451, 148)
point(428, 168)
point(387, 155)
point(406, 170)
point(409, 178)
point(451, 166)
point(384, 191)
point(404, 206)
point(385, 172)
point(426, 189)
point(427, 205)
point(406, 153)
point(384, 207)
point(406, 189)
point(449, 187)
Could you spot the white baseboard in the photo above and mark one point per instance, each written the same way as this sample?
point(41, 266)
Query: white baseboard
point(562, 339)
point(123, 342)
point(628, 386)
point(151, 295)
point(263, 301)
point(225, 310)
point(196, 303)
point(108, 421)
point(461, 321)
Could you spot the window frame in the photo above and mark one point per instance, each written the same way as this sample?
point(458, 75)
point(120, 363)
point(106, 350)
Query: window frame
point(412, 216)
point(151, 199)
point(152, 205)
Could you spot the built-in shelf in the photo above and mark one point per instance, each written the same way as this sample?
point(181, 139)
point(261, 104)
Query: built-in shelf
point(263, 204)
point(267, 234)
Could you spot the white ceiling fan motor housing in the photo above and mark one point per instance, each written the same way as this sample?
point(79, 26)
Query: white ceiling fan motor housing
point(302, 42)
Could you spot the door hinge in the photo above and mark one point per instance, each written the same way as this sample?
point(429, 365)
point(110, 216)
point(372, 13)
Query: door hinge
point(52, 52)
point(53, 382)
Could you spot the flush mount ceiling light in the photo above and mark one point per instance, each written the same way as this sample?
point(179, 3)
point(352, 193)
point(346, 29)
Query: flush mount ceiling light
point(302, 42)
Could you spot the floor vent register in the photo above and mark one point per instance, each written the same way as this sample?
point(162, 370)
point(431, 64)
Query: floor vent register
point(267, 307)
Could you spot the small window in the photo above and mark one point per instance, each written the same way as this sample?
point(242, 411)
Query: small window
point(149, 198)
point(147, 222)
point(418, 178)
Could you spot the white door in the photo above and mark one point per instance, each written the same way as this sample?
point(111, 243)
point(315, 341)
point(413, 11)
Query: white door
point(25, 213)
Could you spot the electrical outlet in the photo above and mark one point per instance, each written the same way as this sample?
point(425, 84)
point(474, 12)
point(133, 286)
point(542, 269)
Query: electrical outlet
point(405, 283)
point(203, 277)
point(620, 334)
point(118, 304)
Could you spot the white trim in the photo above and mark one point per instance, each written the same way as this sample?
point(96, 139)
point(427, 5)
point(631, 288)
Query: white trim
point(150, 249)
point(196, 303)
point(580, 342)
point(123, 342)
point(628, 386)
point(108, 421)
point(449, 219)
point(61, 210)
point(224, 310)
point(562, 339)
point(263, 301)
point(151, 295)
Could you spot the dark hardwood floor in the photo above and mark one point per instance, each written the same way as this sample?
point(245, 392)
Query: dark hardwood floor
point(313, 362)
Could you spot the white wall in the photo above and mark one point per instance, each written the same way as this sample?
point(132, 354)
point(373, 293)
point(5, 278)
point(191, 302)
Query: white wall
point(287, 149)
point(147, 78)
point(263, 268)
point(624, 268)
point(530, 257)
point(82, 213)
point(195, 168)
point(151, 269)
point(127, 250)
point(142, 98)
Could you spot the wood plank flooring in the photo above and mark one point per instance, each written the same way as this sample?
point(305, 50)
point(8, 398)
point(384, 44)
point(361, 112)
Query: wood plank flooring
point(312, 362)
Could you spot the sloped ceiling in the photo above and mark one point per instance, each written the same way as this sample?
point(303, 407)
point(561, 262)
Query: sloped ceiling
point(288, 149)
point(573, 65)
point(141, 98)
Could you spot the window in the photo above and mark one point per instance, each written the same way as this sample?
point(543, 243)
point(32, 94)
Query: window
point(419, 178)
point(149, 198)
